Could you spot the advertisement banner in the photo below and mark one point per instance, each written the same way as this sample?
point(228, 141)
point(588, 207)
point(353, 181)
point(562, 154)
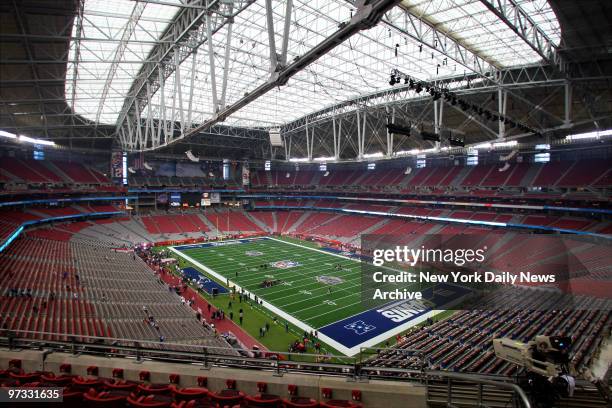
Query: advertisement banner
point(245, 175)
point(116, 170)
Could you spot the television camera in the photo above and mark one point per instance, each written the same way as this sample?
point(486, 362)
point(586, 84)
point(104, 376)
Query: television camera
point(545, 360)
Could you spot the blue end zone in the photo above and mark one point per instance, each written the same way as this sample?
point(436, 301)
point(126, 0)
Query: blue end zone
point(203, 282)
point(359, 329)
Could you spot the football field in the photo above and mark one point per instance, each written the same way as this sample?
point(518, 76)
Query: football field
point(317, 288)
point(314, 289)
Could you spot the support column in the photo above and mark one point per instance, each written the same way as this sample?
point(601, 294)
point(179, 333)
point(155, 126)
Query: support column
point(359, 137)
point(271, 36)
point(283, 56)
point(438, 110)
point(335, 138)
point(211, 63)
point(389, 134)
point(191, 83)
point(567, 120)
point(502, 97)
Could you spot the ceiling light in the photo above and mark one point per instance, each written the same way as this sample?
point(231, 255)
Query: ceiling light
point(590, 135)
point(7, 134)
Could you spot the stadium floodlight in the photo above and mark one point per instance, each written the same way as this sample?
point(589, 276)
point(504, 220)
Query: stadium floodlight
point(433, 137)
point(324, 158)
point(589, 135)
point(23, 138)
point(8, 134)
point(455, 141)
point(486, 145)
point(373, 155)
point(407, 152)
point(398, 130)
point(509, 143)
point(298, 159)
point(430, 150)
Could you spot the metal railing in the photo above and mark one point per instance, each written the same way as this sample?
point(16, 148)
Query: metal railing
point(362, 367)
point(518, 397)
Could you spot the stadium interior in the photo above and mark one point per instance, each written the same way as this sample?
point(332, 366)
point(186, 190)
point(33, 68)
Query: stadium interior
point(193, 194)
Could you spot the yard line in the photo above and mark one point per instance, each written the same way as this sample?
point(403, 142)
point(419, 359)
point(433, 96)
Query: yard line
point(317, 287)
point(278, 273)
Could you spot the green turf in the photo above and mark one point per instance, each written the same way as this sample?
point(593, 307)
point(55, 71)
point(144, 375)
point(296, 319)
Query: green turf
point(255, 317)
point(300, 295)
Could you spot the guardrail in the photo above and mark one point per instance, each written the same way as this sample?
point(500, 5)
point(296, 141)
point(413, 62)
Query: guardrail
point(452, 397)
point(358, 368)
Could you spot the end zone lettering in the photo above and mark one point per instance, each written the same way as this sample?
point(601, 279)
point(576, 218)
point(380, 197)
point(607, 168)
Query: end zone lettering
point(399, 312)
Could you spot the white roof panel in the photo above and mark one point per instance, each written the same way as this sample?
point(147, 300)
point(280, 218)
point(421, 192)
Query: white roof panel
point(359, 66)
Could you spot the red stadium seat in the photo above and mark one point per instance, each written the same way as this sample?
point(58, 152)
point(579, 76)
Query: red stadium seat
point(56, 379)
point(154, 389)
point(262, 400)
point(111, 398)
point(300, 402)
point(149, 401)
point(339, 404)
point(227, 397)
point(84, 384)
point(115, 384)
point(24, 377)
point(187, 394)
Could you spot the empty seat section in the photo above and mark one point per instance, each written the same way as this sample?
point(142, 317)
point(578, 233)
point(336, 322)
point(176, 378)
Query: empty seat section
point(584, 172)
point(517, 174)
point(21, 170)
point(550, 173)
point(77, 172)
point(476, 176)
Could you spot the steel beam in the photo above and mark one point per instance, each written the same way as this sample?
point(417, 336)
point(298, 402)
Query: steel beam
point(425, 32)
point(366, 16)
point(184, 35)
point(519, 21)
point(130, 26)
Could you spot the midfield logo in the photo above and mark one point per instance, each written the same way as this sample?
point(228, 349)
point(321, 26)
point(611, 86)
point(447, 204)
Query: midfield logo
point(284, 264)
point(329, 280)
point(360, 327)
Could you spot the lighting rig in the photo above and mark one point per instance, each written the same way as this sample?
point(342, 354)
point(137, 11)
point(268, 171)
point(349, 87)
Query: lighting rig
point(450, 97)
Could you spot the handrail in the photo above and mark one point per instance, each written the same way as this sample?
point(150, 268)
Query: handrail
point(480, 380)
point(206, 356)
point(180, 352)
